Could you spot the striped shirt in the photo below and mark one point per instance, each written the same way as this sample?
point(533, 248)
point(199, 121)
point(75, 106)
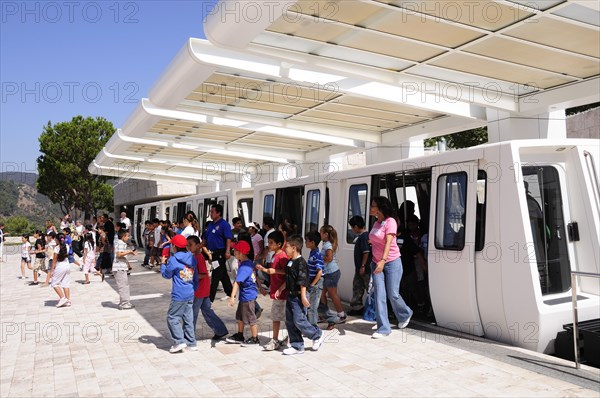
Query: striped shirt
point(315, 263)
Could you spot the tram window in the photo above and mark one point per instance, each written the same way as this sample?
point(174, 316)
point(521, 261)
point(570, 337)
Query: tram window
point(188, 207)
point(357, 206)
point(411, 194)
point(313, 198)
point(201, 219)
point(545, 210)
point(451, 213)
point(244, 207)
point(480, 211)
point(268, 206)
point(167, 213)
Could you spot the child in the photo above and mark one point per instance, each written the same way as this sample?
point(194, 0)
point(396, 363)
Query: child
point(60, 272)
point(50, 245)
point(296, 280)
point(165, 245)
point(181, 269)
point(25, 259)
point(331, 277)
point(145, 234)
point(202, 293)
point(315, 271)
point(40, 256)
point(362, 264)
point(120, 268)
point(89, 259)
point(277, 276)
point(245, 283)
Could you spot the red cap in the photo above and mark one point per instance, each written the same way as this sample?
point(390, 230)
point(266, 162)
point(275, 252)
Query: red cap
point(179, 241)
point(242, 246)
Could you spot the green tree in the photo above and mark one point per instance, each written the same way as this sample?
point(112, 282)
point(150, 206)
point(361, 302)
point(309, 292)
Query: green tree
point(18, 225)
point(67, 150)
point(463, 139)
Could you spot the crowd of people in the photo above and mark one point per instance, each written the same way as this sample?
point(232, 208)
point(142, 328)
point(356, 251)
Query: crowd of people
point(257, 259)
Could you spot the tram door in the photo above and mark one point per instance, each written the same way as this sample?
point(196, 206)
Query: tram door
point(452, 247)
point(314, 210)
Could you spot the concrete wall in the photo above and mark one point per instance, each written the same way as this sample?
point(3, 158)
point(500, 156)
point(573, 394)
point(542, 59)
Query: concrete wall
point(131, 192)
point(584, 125)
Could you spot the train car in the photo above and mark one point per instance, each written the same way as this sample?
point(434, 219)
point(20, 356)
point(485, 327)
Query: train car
point(235, 202)
point(505, 225)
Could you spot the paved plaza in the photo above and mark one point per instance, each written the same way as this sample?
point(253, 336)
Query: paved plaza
point(94, 349)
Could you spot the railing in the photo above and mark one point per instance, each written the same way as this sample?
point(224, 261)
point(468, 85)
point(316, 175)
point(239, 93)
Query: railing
point(574, 275)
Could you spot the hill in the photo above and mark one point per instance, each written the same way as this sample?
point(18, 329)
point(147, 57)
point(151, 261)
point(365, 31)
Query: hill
point(19, 197)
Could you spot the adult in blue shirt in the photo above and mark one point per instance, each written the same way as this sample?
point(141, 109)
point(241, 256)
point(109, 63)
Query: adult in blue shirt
point(218, 241)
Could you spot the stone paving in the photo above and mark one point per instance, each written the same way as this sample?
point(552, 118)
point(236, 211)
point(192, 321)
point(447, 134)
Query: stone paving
point(93, 349)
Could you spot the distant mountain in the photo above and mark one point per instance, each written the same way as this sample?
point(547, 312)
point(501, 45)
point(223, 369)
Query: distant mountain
point(19, 197)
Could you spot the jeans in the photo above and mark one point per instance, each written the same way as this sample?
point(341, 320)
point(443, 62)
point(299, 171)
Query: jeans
point(212, 320)
point(389, 280)
point(297, 324)
point(181, 311)
point(314, 296)
point(146, 256)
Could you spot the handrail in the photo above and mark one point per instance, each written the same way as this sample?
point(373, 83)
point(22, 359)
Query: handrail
point(589, 160)
point(574, 275)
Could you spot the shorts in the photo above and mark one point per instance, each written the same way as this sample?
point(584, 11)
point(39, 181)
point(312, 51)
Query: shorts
point(278, 310)
point(26, 259)
point(331, 280)
point(154, 251)
point(245, 312)
point(38, 264)
point(61, 277)
point(166, 252)
point(71, 259)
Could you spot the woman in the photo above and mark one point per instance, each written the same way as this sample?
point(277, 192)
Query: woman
point(387, 268)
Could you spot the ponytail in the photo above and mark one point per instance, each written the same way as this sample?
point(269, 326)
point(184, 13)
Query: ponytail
point(62, 254)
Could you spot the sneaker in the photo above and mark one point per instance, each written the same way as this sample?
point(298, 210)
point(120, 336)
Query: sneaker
point(68, 303)
point(126, 306)
point(292, 351)
point(402, 325)
point(225, 298)
point(342, 319)
point(237, 338)
point(378, 335)
point(219, 336)
point(177, 348)
point(192, 348)
point(272, 345)
point(375, 327)
point(251, 342)
point(61, 302)
point(259, 312)
point(318, 342)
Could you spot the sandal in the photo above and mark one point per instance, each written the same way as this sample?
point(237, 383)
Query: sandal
point(330, 326)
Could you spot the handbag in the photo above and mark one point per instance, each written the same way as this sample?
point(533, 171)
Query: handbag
point(369, 311)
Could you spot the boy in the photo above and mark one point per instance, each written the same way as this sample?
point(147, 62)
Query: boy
point(202, 293)
point(245, 283)
point(362, 264)
point(181, 269)
point(315, 272)
point(296, 280)
point(120, 268)
point(277, 275)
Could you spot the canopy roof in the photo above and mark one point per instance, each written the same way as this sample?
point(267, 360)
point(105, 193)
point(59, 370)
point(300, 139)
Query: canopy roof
point(292, 82)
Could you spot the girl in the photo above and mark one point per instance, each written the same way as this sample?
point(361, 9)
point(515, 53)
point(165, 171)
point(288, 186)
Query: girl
point(89, 257)
point(25, 259)
point(60, 272)
point(40, 256)
point(331, 276)
point(165, 245)
point(50, 245)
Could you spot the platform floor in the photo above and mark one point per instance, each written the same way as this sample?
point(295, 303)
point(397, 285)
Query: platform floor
point(93, 349)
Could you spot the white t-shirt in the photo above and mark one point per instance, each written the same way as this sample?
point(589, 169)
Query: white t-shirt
point(65, 261)
point(25, 247)
point(270, 254)
point(127, 223)
point(188, 231)
point(120, 263)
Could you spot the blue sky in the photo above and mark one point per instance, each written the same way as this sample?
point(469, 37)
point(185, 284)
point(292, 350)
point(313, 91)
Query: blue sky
point(92, 58)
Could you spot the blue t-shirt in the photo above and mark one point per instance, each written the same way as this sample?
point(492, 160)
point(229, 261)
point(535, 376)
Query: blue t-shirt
point(69, 242)
point(331, 267)
point(217, 233)
point(182, 269)
point(315, 263)
point(247, 281)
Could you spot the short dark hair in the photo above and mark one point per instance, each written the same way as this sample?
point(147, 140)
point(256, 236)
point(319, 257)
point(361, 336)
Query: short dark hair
point(357, 221)
point(236, 219)
point(218, 208)
point(122, 233)
point(277, 237)
point(155, 221)
point(313, 236)
point(194, 239)
point(268, 221)
point(296, 241)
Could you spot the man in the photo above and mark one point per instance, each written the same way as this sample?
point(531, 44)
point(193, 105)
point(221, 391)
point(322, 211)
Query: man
point(218, 240)
point(125, 220)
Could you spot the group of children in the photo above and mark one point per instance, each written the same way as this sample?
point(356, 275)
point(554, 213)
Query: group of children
point(290, 281)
